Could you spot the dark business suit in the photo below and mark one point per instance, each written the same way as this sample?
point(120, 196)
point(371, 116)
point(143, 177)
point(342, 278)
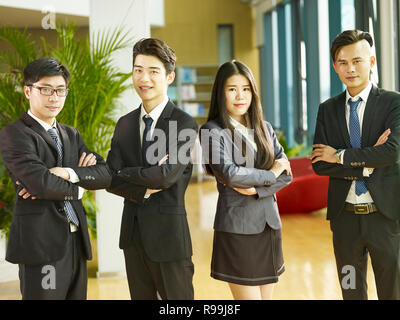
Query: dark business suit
point(238, 213)
point(157, 226)
point(40, 232)
point(378, 233)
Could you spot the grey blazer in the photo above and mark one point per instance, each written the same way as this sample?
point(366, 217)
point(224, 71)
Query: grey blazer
point(238, 213)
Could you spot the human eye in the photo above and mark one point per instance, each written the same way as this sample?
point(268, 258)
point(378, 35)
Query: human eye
point(46, 91)
point(61, 92)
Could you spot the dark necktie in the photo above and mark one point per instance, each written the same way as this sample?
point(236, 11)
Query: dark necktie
point(68, 206)
point(355, 139)
point(146, 138)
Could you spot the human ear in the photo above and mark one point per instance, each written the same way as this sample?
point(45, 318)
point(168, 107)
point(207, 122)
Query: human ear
point(27, 91)
point(170, 77)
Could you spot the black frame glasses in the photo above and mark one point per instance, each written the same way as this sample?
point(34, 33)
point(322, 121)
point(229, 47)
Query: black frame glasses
point(46, 91)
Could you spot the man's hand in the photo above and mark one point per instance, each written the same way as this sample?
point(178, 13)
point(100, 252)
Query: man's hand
point(322, 152)
point(163, 160)
point(87, 160)
point(383, 138)
point(24, 193)
point(60, 172)
point(246, 192)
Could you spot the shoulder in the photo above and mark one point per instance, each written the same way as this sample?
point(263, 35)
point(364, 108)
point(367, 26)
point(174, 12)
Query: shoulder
point(387, 94)
point(12, 129)
point(332, 102)
point(182, 117)
point(212, 124)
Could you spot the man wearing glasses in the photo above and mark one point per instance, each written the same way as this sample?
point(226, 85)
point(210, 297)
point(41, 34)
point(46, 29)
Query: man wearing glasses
point(50, 167)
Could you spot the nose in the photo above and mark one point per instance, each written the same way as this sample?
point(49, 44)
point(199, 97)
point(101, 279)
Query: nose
point(54, 96)
point(239, 94)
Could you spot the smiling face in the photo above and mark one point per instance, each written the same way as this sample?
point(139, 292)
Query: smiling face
point(353, 65)
point(238, 97)
point(46, 108)
point(150, 80)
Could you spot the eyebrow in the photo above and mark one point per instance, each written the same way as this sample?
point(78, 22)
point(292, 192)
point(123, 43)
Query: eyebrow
point(49, 85)
point(139, 66)
point(236, 85)
point(355, 58)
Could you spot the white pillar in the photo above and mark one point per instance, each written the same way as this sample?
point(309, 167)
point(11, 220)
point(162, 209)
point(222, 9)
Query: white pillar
point(8, 271)
point(387, 44)
point(133, 16)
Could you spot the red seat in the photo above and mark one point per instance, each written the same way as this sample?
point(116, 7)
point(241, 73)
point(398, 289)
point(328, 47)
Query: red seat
point(307, 192)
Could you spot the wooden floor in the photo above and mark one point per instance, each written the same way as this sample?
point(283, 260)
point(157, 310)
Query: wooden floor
point(307, 247)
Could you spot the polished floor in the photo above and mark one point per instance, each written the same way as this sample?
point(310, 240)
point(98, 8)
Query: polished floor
point(307, 247)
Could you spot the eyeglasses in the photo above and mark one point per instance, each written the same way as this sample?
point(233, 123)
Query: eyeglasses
point(46, 91)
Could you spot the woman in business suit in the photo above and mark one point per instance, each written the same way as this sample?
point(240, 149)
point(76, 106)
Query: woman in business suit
point(242, 151)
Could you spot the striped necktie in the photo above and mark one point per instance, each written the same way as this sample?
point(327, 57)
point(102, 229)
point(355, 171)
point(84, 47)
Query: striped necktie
point(355, 139)
point(146, 138)
point(68, 206)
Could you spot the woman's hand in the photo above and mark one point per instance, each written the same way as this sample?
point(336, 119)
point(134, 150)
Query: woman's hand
point(279, 166)
point(246, 192)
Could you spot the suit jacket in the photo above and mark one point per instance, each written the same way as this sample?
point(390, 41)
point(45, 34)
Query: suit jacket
point(238, 213)
point(39, 228)
point(382, 111)
point(162, 217)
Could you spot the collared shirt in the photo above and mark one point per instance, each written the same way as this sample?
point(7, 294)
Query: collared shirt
point(73, 177)
point(246, 132)
point(352, 196)
point(154, 114)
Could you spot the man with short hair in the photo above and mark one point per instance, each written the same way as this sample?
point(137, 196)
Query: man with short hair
point(357, 144)
point(50, 166)
point(153, 176)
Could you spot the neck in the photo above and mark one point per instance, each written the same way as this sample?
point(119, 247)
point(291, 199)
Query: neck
point(149, 105)
point(49, 121)
point(355, 91)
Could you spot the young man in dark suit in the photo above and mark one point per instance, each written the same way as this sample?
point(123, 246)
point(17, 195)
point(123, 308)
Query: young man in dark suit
point(357, 144)
point(153, 176)
point(51, 168)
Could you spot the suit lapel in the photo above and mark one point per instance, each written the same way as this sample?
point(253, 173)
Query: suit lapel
point(369, 115)
point(136, 134)
point(66, 144)
point(341, 116)
point(35, 126)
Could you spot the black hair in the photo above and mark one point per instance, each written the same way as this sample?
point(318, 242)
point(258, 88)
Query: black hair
point(44, 67)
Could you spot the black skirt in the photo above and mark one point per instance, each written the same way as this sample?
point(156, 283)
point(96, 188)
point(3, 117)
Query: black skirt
point(251, 260)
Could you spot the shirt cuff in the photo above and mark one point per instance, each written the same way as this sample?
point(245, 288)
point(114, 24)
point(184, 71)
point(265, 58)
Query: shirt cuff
point(73, 177)
point(367, 172)
point(80, 192)
point(147, 195)
point(341, 156)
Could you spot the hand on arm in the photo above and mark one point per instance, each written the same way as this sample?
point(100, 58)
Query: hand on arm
point(279, 166)
point(152, 191)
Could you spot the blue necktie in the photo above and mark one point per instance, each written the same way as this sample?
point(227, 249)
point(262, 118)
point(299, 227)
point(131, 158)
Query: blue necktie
point(146, 138)
point(68, 206)
point(355, 139)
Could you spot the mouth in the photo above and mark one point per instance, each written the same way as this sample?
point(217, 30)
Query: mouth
point(52, 108)
point(239, 105)
point(351, 78)
point(145, 88)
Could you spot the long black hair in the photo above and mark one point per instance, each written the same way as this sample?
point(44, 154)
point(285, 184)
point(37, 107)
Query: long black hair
point(219, 112)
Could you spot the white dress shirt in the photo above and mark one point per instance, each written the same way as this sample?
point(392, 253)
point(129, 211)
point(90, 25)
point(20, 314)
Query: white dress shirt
point(246, 132)
point(352, 196)
point(73, 177)
point(154, 114)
